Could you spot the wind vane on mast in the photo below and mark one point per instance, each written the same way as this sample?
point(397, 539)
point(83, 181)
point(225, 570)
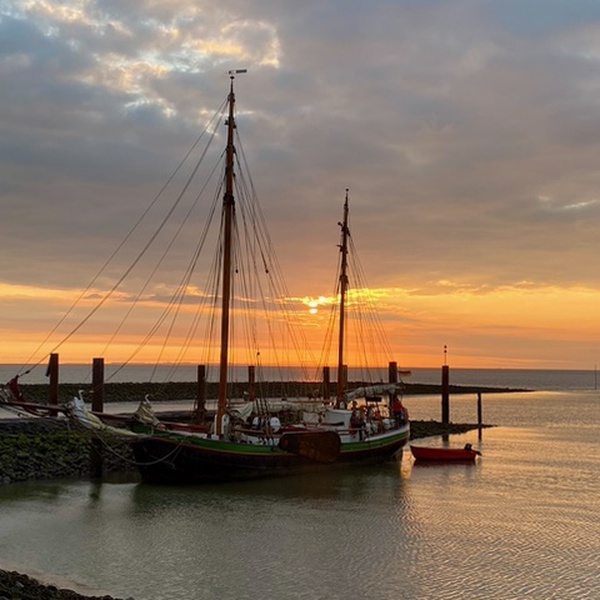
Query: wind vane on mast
point(233, 72)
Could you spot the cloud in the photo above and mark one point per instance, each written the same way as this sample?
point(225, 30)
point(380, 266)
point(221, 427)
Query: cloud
point(467, 133)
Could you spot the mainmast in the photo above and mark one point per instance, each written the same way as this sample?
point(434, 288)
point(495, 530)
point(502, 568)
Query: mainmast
point(228, 212)
point(341, 379)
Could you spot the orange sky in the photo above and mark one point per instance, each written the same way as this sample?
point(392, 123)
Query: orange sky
point(511, 328)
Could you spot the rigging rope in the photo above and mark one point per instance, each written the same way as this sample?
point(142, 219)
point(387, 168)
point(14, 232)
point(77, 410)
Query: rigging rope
point(83, 294)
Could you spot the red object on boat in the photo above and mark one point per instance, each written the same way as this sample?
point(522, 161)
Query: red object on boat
point(465, 454)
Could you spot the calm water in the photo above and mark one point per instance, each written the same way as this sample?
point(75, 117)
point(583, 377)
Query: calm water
point(522, 523)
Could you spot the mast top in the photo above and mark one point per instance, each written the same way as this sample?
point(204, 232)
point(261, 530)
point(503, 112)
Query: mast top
point(232, 73)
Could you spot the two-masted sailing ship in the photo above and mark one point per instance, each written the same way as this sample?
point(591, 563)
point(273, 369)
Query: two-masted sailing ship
point(247, 440)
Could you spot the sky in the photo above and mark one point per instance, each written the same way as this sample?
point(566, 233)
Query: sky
point(467, 131)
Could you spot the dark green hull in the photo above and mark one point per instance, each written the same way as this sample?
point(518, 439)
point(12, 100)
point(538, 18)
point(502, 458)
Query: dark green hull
point(170, 458)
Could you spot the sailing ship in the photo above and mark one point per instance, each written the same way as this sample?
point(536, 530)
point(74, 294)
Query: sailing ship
point(249, 439)
point(331, 435)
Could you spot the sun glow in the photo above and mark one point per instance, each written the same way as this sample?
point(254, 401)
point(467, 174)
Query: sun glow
point(314, 303)
point(507, 328)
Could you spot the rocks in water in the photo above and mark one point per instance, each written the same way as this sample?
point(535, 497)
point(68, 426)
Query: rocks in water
point(50, 449)
point(15, 586)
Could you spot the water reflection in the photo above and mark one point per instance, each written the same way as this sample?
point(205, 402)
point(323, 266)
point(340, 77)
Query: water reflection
point(318, 527)
point(33, 490)
point(345, 484)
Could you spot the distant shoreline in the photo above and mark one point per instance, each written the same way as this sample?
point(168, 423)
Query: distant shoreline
point(187, 390)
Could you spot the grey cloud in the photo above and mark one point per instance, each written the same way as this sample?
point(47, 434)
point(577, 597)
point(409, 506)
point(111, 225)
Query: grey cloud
point(467, 135)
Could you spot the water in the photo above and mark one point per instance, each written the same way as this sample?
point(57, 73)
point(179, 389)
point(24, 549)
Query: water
point(522, 523)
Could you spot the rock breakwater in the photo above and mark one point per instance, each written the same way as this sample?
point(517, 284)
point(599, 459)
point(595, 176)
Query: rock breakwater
point(15, 586)
point(39, 448)
point(169, 391)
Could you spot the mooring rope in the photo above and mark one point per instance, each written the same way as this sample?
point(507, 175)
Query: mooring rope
point(134, 462)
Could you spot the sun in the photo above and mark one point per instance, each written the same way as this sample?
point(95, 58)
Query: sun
point(314, 303)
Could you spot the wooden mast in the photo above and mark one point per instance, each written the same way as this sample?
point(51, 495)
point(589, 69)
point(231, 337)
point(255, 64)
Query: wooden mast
point(228, 210)
point(341, 372)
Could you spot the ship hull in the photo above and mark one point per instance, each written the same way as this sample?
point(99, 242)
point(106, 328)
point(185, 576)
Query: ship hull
point(176, 459)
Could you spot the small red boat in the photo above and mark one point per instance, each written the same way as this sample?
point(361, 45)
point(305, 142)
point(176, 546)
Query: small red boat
point(466, 454)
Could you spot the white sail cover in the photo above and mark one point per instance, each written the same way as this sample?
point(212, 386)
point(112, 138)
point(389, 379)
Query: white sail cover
point(243, 411)
point(273, 406)
point(373, 390)
point(145, 413)
point(77, 412)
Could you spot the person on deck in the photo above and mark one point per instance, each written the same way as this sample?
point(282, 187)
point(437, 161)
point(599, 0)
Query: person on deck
point(400, 413)
point(378, 420)
point(15, 389)
point(357, 423)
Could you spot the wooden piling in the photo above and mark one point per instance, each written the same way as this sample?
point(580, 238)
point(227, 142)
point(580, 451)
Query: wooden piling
point(251, 383)
point(200, 412)
point(52, 374)
point(392, 378)
point(393, 372)
point(96, 458)
point(479, 415)
point(446, 395)
point(326, 383)
point(98, 385)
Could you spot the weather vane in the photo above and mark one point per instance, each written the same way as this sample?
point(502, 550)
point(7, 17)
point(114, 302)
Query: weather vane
point(233, 72)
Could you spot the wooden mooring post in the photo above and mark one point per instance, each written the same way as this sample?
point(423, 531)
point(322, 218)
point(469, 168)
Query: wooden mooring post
point(479, 415)
point(96, 459)
point(200, 412)
point(446, 395)
point(392, 378)
point(393, 372)
point(52, 374)
point(251, 383)
point(98, 385)
point(326, 384)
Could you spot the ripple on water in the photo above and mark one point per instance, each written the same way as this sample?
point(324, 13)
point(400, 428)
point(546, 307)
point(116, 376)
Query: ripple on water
point(519, 524)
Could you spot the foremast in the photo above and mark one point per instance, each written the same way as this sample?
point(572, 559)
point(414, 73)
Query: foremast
point(228, 214)
point(341, 371)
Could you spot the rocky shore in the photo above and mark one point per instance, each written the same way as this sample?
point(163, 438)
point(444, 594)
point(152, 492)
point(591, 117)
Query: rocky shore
point(39, 448)
point(16, 586)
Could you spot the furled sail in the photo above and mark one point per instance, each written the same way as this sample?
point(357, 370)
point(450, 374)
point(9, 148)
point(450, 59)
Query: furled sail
point(373, 390)
point(76, 410)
